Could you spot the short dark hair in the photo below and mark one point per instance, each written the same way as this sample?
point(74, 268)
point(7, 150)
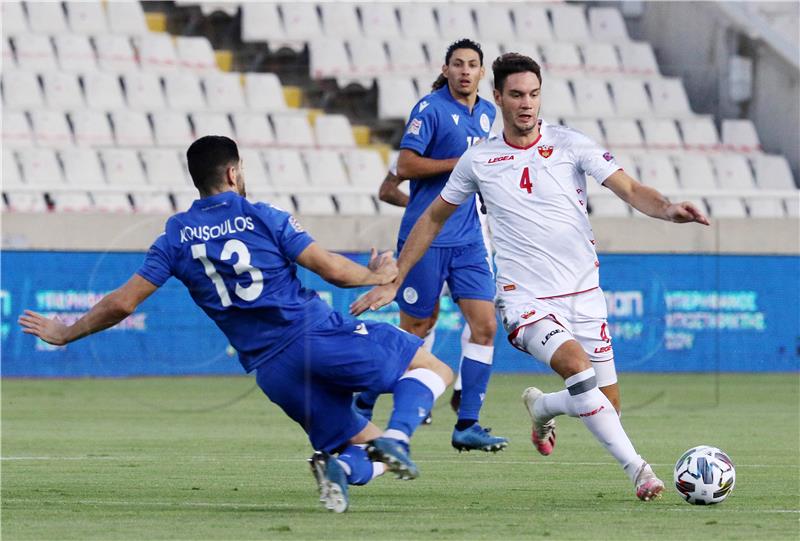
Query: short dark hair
point(511, 63)
point(209, 157)
point(464, 43)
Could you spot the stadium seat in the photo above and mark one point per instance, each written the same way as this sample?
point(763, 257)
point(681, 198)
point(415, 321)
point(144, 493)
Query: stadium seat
point(195, 54)
point(115, 53)
point(103, 91)
point(528, 48)
point(263, 92)
point(75, 53)
point(286, 169)
point(261, 22)
point(143, 91)
point(46, 17)
point(695, 172)
point(367, 58)
point(725, 206)
point(561, 60)
point(126, 18)
point(355, 204)
point(164, 168)
point(185, 198)
point(77, 201)
point(494, 23)
point(628, 163)
point(622, 133)
point(86, 17)
point(11, 174)
point(115, 202)
point(407, 57)
point(184, 92)
point(455, 21)
point(281, 201)
point(292, 130)
point(152, 203)
point(532, 23)
point(327, 58)
point(300, 21)
point(661, 134)
point(253, 130)
point(340, 20)
point(491, 50)
point(26, 201)
point(592, 98)
point(224, 92)
point(13, 17)
point(417, 21)
point(333, 131)
point(123, 167)
point(773, 172)
point(315, 204)
point(600, 60)
point(8, 58)
point(21, 90)
point(657, 171)
point(569, 23)
point(209, 123)
point(739, 135)
point(637, 59)
point(630, 98)
point(364, 167)
point(157, 52)
point(40, 167)
point(385, 209)
point(607, 25)
point(396, 96)
point(62, 91)
point(255, 173)
point(50, 129)
point(700, 133)
point(131, 128)
point(91, 128)
point(325, 169)
point(16, 130)
point(379, 20)
point(82, 168)
point(588, 127)
point(608, 205)
point(669, 98)
point(171, 129)
point(763, 207)
point(34, 52)
point(792, 207)
point(733, 172)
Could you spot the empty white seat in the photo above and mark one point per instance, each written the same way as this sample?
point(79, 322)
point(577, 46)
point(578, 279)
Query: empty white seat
point(263, 92)
point(46, 17)
point(115, 53)
point(112, 202)
point(131, 128)
point(455, 21)
point(385, 209)
point(40, 166)
point(325, 168)
point(315, 204)
point(367, 57)
point(253, 130)
point(661, 134)
point(532, 23)
point(261, 22)
point(13, 17)
point(695, 172)
point(792, 206)
point(725, 206)
point(561, 59)
point(606, 24)
point(34, 52)
point(211, 124)
point(292, 129)
point(143, 91)
point(278, 200)
point(600, 59)
point(286, 169)
point(26, 201)
point(733, 172)
point(494, 22)
point(622, 133)
point(91, 129)
point(669, 98)
point(16, 130)
point(630, 98)
point(86, 17)
point(333, 131)
point(588, 127)
point(82, 167)
point(340, 20)
point(608, 205)
point(637, 59)
point(417, 21)
point(396, 96)
point(11, 173)
point(195, 53)
point(123, 167)
point(569, 23)
point(171, 129)
point(21, 90)
point(765, 207)
point(300, 20)
point(627, 162)
point(592, 98)
point(185, 198)
point(126, 18)
point(527, 48)
point(255, 172)
point(656, 170)
point(152, 203)
point(157, 52)
point(355, 204)
point(407, 57)
point(164, 168)
point(75, 53)
point(8, 59)
point(62, 91)
point(699, 133)
point(224, 92)
point(328, 58)
point(364, 167)
point(50, 129)
point(379, 20)
point(739, 135)
point(773, 172)
point(78, 201)
point(103, 91)
point(184, 92)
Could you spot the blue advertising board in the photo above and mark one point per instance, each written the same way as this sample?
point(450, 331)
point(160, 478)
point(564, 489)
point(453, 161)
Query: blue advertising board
point(667, 313)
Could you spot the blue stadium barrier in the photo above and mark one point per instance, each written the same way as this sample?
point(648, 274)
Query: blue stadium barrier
point(667, 313)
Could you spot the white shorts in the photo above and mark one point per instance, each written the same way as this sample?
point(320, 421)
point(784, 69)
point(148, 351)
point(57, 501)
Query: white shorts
point(583, 316)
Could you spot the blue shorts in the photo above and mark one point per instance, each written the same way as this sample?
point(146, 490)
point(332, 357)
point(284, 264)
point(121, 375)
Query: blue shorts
point(464, 268)
point(313, 379)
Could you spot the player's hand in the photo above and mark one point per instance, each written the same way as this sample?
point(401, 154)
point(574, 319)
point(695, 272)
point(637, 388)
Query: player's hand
point(686, 212)
point(374, 299)
point(384, 266)
point(52, 331)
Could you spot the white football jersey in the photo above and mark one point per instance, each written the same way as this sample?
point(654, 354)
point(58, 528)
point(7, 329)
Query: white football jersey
point(536, 201)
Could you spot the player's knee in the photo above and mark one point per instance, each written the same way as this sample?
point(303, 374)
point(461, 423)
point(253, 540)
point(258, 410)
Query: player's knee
point(418, 327)
point(570, 359)
point(424, 359)
point(483, 332)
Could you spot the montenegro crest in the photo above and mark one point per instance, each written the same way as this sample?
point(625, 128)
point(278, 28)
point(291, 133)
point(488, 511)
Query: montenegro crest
point(545, 151)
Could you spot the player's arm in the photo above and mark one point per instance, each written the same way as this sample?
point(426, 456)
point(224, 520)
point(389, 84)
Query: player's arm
point(411, 165)
point(342, 272)
point(650, 201)
point(389, 191)
point(111, 309)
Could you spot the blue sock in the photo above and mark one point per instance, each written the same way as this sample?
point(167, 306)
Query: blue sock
point(474, 380)
point(356, 459)
point(366, 399)
point(413, 401)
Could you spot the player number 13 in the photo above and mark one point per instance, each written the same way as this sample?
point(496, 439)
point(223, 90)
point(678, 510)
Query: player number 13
point(242, 265)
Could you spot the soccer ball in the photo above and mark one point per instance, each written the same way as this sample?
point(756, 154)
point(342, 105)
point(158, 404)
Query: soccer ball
point(704, 475)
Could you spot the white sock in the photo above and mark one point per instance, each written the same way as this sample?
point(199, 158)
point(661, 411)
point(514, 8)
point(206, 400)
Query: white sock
point(466, 334)
point(427, 342)
point(396, 435)
point(550, 405)
point(599, 416)
point(378, 469)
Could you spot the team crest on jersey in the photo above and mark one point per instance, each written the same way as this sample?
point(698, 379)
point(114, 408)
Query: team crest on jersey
point(423, 105)
point(485, 124)
point(415, 126)
point(545, 151)
point(608, 157)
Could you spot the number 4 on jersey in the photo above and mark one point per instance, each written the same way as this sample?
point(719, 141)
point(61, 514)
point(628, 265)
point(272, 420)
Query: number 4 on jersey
point(525, 180)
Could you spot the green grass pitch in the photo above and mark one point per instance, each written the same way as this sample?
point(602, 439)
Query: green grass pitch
point(212, 458)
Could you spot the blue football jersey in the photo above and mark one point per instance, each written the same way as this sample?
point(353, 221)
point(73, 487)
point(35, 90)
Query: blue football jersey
point(238, 261)
point(440, 128)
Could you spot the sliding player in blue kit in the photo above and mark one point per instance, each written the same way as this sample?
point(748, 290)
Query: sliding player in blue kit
point(239, 262)
point(442, 126)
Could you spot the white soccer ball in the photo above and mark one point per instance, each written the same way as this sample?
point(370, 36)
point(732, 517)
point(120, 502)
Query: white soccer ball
point(704, 475)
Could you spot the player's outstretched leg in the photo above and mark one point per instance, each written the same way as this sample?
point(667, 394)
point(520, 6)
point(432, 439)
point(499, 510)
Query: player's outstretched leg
point(331, 481)
point(543, 432)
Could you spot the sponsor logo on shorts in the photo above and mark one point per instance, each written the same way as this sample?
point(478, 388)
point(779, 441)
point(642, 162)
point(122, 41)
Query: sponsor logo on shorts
point(500, 158)
point(410, 295)
point(509, 287)
point(551, 334)
point(603, 349)
point(545, 151)
point(528, 314)
point(361, 329)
